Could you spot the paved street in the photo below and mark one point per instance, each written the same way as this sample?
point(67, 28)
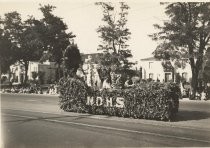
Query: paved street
point(37, 121)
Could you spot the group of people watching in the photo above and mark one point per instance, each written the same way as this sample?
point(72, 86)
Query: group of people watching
point(18, 89)
point(32, 89)
point(128, 83)
point(52, 89)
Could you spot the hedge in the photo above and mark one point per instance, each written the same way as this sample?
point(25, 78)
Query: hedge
point(151, 100)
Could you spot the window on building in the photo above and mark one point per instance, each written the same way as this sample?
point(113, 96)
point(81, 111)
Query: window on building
point(168, 77)
point(151, 76)
point(150, 65)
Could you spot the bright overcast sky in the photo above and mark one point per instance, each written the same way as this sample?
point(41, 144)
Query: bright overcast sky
point(84, 17)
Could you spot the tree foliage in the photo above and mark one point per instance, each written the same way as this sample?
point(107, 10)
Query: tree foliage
point(206, 70)
point(114, 34)
point(54, 34)
point(185, 35)
point(32, 39)
point(26, 44)
point(72, 59)
point(6, 51)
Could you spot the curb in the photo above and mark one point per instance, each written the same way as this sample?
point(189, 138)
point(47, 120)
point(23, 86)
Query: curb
point(187, 99)
point(30, 94)
point(57, 95)
point(183, 99)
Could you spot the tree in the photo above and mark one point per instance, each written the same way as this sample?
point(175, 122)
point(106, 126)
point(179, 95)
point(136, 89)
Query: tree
point(25, 38)
point(206, 70)
point(184, 36)
point(114, 34)
point(6, 51)
point(54, 35)
point(31, 44)
point(7, 46)
point(72, 59)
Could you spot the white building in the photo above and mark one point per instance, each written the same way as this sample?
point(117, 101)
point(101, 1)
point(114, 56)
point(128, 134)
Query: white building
point(17, 71)
point(152, 68)
point(185, 72)
point(47, 67)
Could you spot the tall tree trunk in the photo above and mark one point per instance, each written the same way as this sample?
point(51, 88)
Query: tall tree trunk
point(195, 76)
point(197, 68)
point(194, 82)
point(26, 72)
point(114, 48)
point(59, 72)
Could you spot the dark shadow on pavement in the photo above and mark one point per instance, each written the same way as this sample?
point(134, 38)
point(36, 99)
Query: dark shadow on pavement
point(182, 115)
point(185, 115)
point(48, 118)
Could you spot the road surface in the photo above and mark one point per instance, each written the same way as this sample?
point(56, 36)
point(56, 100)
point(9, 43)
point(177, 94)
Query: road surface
point(36, 121)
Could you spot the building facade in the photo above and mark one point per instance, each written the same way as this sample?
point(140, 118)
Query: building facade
point(17, 72)
point(152, 68)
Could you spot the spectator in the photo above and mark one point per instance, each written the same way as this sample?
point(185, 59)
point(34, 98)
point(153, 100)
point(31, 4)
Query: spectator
point(107, 83)
point(203, 95)
point(51, 89)
point(119, 81)
point(12, 90)
point(56, 88)
point(128, 82)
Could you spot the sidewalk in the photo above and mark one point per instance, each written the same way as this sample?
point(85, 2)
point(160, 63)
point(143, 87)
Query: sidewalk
point(45, 94)
point(29, 94)
point(187, 99)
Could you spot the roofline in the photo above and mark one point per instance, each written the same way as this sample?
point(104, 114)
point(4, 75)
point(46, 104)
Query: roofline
point(150, 59)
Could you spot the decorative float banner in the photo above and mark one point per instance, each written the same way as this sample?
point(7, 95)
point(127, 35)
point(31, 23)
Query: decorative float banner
point(119, 103)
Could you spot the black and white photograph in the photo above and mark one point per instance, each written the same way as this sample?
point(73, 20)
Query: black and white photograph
point(92, 74)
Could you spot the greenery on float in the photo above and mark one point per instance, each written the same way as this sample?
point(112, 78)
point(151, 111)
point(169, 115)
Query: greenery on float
point(148, 100)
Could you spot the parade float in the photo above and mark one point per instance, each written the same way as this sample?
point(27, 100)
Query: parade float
point(146, 100)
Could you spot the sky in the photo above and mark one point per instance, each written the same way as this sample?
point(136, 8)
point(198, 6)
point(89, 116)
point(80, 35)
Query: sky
point(83, 18)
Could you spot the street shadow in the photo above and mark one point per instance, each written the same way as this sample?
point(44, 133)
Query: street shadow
point(48, 118)
point(185, 115)
point(182, 115)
